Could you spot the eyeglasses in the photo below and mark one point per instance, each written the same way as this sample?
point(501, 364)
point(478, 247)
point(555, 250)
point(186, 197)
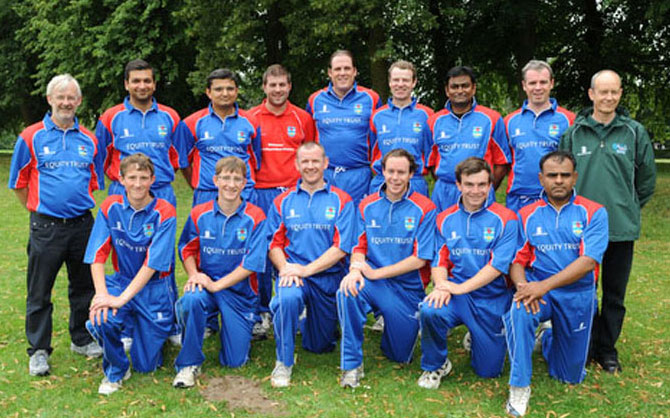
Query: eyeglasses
point(233, 179)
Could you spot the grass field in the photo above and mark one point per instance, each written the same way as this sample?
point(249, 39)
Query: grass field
point(643, 389)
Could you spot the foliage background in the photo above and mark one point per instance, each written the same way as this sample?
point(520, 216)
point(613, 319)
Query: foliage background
point(186, 39)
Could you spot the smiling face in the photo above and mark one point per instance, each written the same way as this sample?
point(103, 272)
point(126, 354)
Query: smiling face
point(277, 89)
point(64, 103)
point(223, 94)
point(538, 84)
point(474, 189)
point(230, 185)
point(605, 95)
point(137, 184)
point(342, 74)
point(397, 175)
point(558, 178)
point(311, 164)
point(460, 90)
point(401, 83)
point(141, 86)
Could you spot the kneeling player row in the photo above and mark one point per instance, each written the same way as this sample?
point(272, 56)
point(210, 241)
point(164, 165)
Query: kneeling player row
point(392, 239)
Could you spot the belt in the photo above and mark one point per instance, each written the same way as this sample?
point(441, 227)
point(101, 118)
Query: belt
point(63, 221)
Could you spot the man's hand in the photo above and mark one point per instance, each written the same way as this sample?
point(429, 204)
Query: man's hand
point(197, 281)
point(288, 281)
point(352, 283)
point(100, 306)
point(530, 294)
point(294, 269)
point(448, 286)
point(365, 269)
point(438, 298)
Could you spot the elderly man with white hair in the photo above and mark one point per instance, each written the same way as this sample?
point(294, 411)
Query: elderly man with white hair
point(56, 166)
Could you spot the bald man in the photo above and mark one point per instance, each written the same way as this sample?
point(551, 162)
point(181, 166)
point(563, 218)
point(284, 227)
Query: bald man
point(615, 161)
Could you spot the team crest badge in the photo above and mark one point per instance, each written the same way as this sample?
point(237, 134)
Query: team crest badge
point(577, 228)
point(241, 137)
point(416, 127)
point(410, 223)
point(148, 230)
point(290, 131)
point(358, 108)
point(553, 130)
point(330, 212)
point(620, 148)
point(489, 233)
point(241, 234)
point(162, 130)
point(82, 150)
point(477, 132)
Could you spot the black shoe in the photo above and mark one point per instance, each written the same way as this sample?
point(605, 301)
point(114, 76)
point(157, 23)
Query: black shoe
point(609, 364)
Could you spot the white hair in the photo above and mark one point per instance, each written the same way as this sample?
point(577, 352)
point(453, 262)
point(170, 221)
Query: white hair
point(61, 81)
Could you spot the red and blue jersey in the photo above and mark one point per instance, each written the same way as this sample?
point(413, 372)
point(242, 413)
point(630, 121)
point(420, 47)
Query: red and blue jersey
point(467, 241)
point(480, 132)
point(530, 137)
point(392, 127)
point(389, 232)
point(220, 243)
point(60, 168)
point(125, 130)
point(210, 138)
point(552, 239)
point(343, 125)
point(305, 225)
point(136, 238)
point(281, 135)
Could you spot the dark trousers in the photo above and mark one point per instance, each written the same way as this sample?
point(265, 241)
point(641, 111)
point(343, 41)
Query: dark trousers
point(51, 243)
point(616, 265)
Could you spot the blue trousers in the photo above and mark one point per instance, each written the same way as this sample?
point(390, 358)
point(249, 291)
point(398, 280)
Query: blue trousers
point(515, 202)
point(319, 330)
point(150, 314)
point(354, 181)
point(264, 198)
point(237, 320)
point(483, 319)
point(401, 324)
point(564, 346)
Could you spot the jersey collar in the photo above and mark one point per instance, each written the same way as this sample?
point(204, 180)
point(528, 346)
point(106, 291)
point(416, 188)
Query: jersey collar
point(49, 123)
point(410, 106)
point(126, 103)
point(351, 91)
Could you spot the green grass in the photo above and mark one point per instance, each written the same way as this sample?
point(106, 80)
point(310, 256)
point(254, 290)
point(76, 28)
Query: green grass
point(388, 388)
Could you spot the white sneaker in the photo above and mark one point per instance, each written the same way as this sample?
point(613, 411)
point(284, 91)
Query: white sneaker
point(39, 363)
point(175, 339)
point(544, 326)
point(91, 349)
point(107, 388)
point(379, 325)
point(266, 320)
point(467, 342)
point(352, 378)
point(518, 400)
point(281, 375)
point(258, 332)
point(127, 343)
point(431, 380)
point(186, 377)
point(208, 332)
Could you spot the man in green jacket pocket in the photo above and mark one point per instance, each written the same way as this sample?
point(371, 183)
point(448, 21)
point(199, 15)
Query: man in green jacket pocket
point(615, 161)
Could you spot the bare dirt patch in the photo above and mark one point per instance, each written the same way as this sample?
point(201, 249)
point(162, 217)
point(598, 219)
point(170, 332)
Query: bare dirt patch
point(241, 393)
